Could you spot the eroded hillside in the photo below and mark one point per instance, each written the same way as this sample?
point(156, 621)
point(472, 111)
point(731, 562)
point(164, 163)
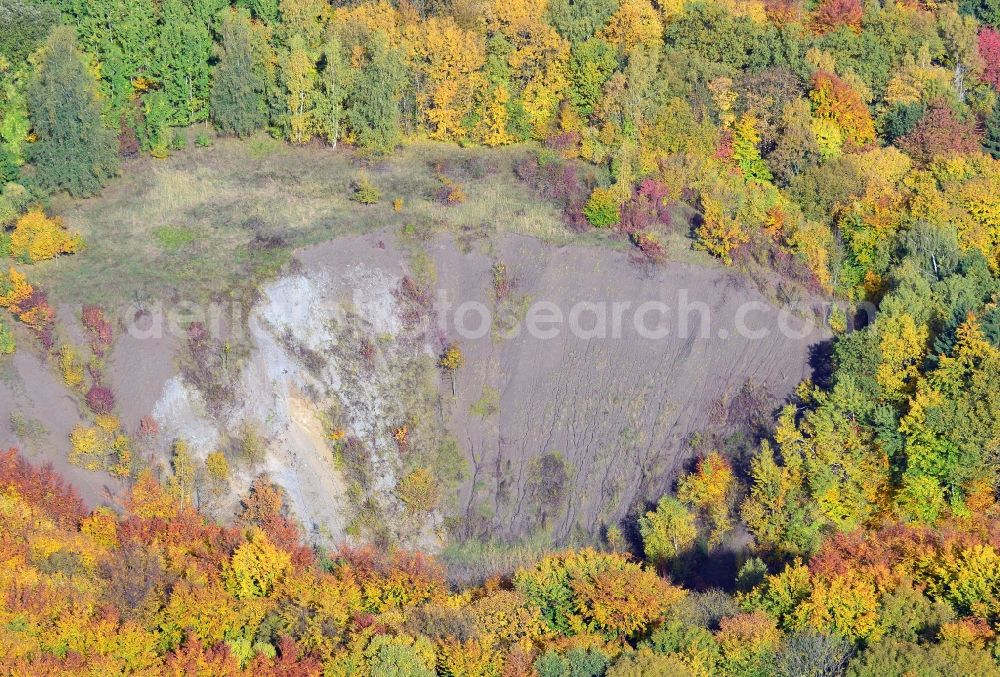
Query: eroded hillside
point(331, 383)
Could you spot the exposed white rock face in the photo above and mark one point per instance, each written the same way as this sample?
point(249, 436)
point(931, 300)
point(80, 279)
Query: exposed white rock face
point(304, 360)
point(373, 298)
point(181, 408)
point(301, 305)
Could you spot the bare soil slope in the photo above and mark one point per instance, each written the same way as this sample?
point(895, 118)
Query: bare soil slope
point(37, 414)
point(610, 414)
point(559, 437)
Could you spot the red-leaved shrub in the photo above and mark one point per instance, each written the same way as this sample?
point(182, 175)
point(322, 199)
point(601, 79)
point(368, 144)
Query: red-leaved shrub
point(649, 245)
point(563, 143)
point(724, 149)
point(128, 140)
point(832, 14)
point(41, 487)
point(939, 132)
point(98, 329)
point(989, 49)
point(100, 399)
point(784, 11)
point(415, 301)
point(148, 427)
point(39, 316)
point(648, 208)
point(559, 181)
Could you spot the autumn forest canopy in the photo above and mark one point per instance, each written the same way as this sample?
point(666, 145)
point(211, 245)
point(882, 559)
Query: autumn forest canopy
point(838, 153)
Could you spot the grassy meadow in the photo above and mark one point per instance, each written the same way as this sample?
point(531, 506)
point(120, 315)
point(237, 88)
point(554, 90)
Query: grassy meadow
point(209, 220)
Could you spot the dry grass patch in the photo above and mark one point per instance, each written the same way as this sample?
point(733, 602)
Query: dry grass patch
point(208, 219)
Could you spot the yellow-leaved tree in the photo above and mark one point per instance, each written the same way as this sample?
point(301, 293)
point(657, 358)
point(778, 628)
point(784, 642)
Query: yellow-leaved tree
point(903, 344)
point(538, 60)
point(38, 237)
point(256, 567)
point(494, 119)
point(182, 483)
point(14, 290)
point(710, 490)
point(587, 591)
point(449, 60)
point(298, 75)
point(635, 24)
point(719, 233)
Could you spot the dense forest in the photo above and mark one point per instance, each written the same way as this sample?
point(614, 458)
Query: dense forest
point(851, 148)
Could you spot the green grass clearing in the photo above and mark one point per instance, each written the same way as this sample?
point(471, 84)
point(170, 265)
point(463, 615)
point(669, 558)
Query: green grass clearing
point(174, 237)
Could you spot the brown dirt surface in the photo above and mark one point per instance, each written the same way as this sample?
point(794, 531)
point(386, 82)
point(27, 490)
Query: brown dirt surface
point(138, 367)
point(617, 412)
point(561, 437)
point(37, 414)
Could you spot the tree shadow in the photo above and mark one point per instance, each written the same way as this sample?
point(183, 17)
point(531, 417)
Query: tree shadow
point(821, 362)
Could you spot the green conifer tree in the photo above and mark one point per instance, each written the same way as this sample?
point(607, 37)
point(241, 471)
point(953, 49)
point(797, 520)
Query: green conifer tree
point(74, 151)
point(181, 63)
point(239, 87)
point(373, 108)
point(991, 139)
